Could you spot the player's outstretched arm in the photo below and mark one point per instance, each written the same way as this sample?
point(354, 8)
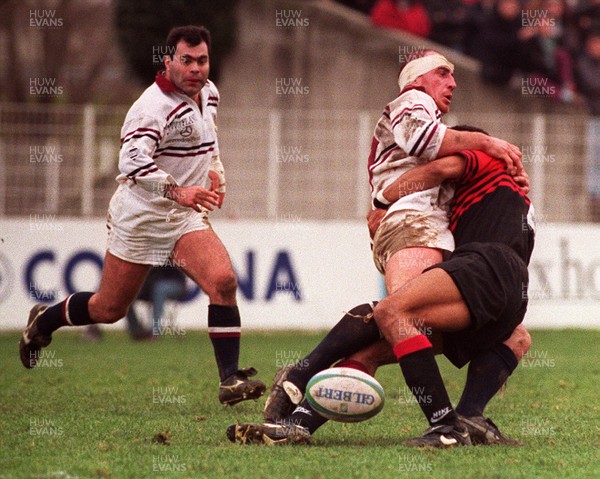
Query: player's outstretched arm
point(455, 141)
point(424, 177)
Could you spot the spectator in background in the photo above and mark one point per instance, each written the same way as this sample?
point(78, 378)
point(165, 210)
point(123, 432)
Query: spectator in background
point(407, 15)
point(478, 11)
point(588, 72)
point(586, 18)
point(499, 43)
point(450, 22)
point(588, 79)
point(544, 54)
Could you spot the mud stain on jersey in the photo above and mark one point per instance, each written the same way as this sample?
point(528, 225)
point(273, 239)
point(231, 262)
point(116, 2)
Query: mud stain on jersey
point(410, 126)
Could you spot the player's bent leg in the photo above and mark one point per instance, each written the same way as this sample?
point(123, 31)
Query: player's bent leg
point(202, 256)
point(284, 395)
point(355, 330)
point(487, 373)
point(407, 264)
point(121, 281)
point(374, 356)
point(433, 301)
point(284, 405)
point(430, 301)
point(120, 285)
point(519, 342)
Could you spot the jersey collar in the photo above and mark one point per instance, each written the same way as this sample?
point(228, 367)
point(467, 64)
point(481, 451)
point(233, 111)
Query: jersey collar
point(438, 113)
point(165, 84)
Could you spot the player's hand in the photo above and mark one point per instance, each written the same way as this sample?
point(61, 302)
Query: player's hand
point(194, 197)
point(216, 186)
point(507, 152)
point(374, 218)
point(522, 180)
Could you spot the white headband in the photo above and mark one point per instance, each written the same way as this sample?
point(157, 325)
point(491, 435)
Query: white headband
point(419, 66)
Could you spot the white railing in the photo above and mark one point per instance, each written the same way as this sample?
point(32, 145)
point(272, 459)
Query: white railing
point(303, 164)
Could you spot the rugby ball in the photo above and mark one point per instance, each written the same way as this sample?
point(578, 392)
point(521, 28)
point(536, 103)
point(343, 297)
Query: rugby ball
point(345, 394)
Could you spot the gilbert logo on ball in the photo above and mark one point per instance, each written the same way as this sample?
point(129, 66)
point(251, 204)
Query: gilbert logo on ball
point(345, 395)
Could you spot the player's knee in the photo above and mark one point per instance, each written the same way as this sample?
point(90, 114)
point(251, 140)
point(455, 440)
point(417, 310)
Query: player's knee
point(384, 313)
point(519, 342)
point(524, 339)
point(226, 285)
point(110, 314)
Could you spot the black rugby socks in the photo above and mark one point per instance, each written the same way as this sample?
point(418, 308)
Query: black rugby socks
point(423, 378)
point(486, 375)
point(306, 417)
point(356, 330)
point(224, 330)
point(72, 311)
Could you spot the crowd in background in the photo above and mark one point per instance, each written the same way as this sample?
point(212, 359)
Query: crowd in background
point(553, 46)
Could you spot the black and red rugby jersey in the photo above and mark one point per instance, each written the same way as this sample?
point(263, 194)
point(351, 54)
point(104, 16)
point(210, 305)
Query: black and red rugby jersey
point(488, 206)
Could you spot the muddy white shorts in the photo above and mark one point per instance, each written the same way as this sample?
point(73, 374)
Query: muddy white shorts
point(143, 228)
point(414, 221)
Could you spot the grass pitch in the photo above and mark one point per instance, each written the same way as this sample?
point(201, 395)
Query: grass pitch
point(121, 409)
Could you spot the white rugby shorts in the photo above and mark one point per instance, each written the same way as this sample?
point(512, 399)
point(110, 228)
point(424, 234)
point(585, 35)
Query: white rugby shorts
point(414, 221)
point(144, 230)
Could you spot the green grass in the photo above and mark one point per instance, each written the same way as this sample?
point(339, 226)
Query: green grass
point(94, 409)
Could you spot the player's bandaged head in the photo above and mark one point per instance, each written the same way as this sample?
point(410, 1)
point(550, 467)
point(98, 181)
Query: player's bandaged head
point(419, 66)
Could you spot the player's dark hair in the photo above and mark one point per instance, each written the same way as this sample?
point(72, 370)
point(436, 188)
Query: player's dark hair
point(469, 128)
point(191, 34)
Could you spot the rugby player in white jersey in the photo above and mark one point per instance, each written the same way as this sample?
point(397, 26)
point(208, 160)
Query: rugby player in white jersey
point(414, 232)
point(170, 178)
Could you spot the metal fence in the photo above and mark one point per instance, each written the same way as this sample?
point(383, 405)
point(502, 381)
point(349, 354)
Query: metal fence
point(61, 160)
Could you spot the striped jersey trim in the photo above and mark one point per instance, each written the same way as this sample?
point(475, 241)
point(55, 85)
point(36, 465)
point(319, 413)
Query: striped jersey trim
point(185, 148)
point(183, 113)
point(420, 151)
point(141, 132)
point(147, 166)
point(181, 155)
point(176, 109)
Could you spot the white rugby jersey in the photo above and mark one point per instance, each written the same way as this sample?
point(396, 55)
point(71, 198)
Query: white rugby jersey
point(408, 134)
point(167, 139)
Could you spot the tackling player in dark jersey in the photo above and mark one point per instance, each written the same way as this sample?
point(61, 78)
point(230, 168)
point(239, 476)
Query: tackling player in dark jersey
point(476, 299)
